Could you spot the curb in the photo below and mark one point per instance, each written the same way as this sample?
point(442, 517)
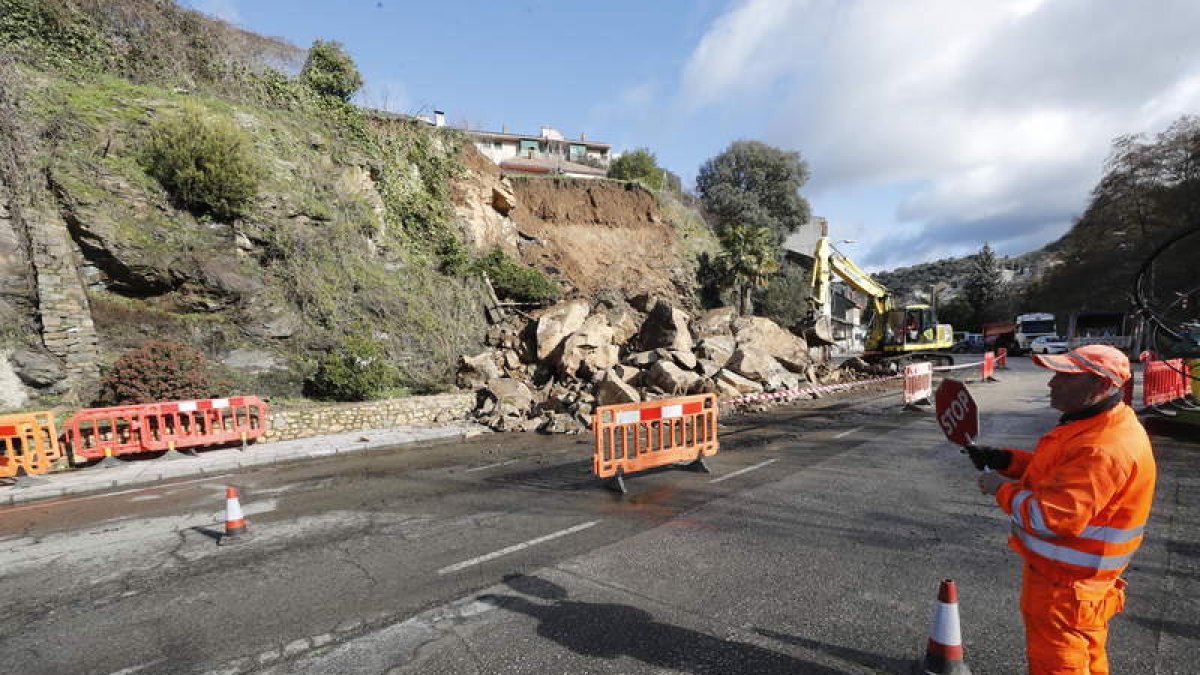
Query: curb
point(223, 461)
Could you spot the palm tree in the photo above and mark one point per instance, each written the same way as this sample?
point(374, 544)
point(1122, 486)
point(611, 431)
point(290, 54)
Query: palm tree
point(749, 258)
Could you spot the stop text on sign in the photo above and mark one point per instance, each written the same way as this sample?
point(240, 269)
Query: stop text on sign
point(955, 412)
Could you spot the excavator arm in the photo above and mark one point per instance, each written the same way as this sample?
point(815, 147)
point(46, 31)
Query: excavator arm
point(826, 262)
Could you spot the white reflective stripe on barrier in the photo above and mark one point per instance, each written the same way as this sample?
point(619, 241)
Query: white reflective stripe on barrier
point(187, 406)
point(629, 417)
point(219, 403)
point(672, 410)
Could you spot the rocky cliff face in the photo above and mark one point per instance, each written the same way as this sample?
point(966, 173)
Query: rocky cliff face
point(357, 227)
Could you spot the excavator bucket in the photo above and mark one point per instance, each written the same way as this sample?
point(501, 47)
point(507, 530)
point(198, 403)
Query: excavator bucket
point(817, 332)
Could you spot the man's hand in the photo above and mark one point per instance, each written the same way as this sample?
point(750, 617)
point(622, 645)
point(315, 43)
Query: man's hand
point(990, 482)
point(987, 457)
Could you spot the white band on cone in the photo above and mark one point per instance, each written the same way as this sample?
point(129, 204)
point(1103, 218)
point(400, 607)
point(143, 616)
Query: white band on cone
point(946, 630)
point(233, 510)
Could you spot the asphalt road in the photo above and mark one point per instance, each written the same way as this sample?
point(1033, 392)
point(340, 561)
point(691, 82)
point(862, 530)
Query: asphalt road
point(815, 546)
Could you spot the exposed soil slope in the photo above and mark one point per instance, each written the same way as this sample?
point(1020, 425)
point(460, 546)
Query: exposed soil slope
point(600, 236)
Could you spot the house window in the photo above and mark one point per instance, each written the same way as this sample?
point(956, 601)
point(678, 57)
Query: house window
point(497, 145)
point(578, 151)
point(529, 146)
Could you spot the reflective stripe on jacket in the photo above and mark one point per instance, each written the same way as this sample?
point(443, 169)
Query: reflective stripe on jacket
point(1081, 499)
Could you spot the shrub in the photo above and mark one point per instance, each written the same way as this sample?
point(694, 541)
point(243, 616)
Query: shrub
point(330, 71)
point(356, 369)
point(204, 161)
point(515, 281)
point(640, 165)
point(160, 371)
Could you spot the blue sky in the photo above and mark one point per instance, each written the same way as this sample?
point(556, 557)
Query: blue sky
point(930, 126)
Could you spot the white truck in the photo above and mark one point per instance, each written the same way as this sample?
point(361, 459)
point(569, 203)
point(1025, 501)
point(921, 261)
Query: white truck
point(1031, 326)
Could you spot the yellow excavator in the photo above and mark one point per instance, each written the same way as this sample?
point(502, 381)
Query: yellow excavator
point(898, 335)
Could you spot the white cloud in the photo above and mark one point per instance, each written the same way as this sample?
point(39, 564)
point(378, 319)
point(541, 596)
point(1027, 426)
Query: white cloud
point(996, 115)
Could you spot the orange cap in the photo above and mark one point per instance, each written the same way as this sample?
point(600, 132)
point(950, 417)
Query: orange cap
point(1102, 360)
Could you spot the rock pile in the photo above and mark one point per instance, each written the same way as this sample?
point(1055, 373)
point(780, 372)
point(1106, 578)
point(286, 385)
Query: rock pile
point(550, 371)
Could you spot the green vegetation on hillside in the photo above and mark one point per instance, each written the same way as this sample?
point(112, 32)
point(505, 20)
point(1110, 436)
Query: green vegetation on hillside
point(198, 177)
point(1150, 192)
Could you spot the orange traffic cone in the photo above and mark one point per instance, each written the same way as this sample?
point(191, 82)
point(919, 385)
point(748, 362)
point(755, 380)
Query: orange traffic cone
point(235, 522)
point(944, 654)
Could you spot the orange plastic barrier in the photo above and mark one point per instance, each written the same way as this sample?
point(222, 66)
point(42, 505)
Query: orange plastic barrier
point(632, 437)
point(217, 421)
point(95, 433)
point(29, 442)
point(1002, 358)
point(918, 383)
point(988, 373)
point(1163, 381)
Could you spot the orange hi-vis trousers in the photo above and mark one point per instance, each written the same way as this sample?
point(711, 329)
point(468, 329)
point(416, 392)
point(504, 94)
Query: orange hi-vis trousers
point(1066, 625)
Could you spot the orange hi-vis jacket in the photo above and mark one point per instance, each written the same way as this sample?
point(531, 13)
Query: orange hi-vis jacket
point(1081, 499)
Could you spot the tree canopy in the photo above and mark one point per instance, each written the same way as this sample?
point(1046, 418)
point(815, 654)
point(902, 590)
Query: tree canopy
point(640, 165)
point(756, 184)
point(749, 257)
point(330, 71)
point(984, 287)
point(1149, 193)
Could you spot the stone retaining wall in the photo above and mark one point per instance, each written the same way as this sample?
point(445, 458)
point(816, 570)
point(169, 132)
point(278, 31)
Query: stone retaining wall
point(302, 422)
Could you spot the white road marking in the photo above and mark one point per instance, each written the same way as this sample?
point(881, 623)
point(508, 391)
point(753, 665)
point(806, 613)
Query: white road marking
point(516, 547)
point(142, 666)
point(492, 466)
point(742, 471)
point(847, 432)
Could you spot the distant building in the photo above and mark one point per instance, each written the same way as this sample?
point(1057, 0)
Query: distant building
point(548, 152)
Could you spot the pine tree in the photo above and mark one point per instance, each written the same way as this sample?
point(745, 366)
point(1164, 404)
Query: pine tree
point(984, 286)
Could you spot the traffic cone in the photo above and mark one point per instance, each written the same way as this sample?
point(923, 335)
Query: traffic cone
point(235, 523)
point(944, 654)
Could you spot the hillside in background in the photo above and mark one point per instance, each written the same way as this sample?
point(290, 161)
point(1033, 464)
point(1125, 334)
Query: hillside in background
point(913, 283)
point(361, 225)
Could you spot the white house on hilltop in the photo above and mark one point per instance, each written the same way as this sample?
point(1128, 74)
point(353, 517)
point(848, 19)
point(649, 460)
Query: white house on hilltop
point(547, 153)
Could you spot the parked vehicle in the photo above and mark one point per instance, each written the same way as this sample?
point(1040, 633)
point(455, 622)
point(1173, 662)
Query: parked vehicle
point(966, 343)
point(1017, 336)
point(1049, 344)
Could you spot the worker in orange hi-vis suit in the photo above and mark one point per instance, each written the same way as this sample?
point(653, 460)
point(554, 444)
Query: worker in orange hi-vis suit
point(1078, 507)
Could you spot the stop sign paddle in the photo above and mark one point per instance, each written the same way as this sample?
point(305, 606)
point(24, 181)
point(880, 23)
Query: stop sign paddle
point(956, 412)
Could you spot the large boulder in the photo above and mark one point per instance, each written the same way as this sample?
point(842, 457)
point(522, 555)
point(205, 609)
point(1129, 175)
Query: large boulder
point(764, 335)
point(686, 360)
point(589, 350)
point(666, 326)
point(614, 390)
point(512, 397)
point(717, 348)
point(727, 379)
point(671, 379)
point(35, 368)
point(714, 322)
point(760, 367)
point(642, 359)
point(475, 372)
point(625, 322)
point(557, 324)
